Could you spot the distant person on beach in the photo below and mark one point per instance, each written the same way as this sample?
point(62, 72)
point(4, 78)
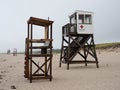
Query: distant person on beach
point(8, 51)
point(14, 52)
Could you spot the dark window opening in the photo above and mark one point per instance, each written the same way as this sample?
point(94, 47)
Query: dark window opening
point(88, 19)
point(81, 19)
point(73, 19)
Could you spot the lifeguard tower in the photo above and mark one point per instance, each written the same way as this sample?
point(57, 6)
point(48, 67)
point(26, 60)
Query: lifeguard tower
point(38, 51)
point(77, 38)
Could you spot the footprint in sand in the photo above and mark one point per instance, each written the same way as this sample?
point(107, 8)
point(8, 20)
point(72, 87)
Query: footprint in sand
point(1, 89)
point(1, 76)
point(13, 87)
point(4, 60)
point(3, 71)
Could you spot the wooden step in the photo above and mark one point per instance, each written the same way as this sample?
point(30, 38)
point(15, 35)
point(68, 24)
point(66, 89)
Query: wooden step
point(40, 40)
point(40, 55)
point(40, 47)
point(82, 61)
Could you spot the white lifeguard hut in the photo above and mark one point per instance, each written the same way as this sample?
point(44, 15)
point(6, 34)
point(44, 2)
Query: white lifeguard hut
point(77, 38)
point(82, 21)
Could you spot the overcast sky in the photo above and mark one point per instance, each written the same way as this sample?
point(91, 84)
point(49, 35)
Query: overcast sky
point(15, 13)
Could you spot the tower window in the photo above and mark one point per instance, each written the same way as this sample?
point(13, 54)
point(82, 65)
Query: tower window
point(73, 19)
point(81, 19)
point(88, 19)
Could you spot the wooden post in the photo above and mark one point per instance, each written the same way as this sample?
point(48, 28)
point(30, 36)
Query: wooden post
point(46, 32)
point(96, 59)
point(46, 37)
point(51, 53)
point(61, 48)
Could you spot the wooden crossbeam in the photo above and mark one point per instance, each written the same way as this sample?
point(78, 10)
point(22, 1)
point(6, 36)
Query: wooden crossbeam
point(86, 44)
point(40, 67)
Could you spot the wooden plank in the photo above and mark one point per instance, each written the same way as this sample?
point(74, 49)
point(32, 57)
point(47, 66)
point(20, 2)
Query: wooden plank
point(40, 40)
point(40, 55)
point(38, 21)
point(78, 62)
point(40, 47)
point(41, 77)
point(46, 32)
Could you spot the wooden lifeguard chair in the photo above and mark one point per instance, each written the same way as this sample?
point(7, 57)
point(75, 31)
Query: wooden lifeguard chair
point(38, 49)
point(77, 38)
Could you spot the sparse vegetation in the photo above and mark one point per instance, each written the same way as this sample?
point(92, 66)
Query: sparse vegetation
point(98, 46)
point(56, 50)
point(108, 45)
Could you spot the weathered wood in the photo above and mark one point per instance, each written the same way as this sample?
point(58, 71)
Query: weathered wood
point(39, 40)
point(40, 47)
point(26, 67)
point(40, 22)
point(81, 62)
point(46, 50)
point(40, 55)
point(46, 32)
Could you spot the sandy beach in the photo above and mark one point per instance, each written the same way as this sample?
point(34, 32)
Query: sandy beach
point(78, 77)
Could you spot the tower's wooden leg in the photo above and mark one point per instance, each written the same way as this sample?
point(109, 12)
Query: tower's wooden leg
point(50, 68)
point(67, 66)
point(30, 71)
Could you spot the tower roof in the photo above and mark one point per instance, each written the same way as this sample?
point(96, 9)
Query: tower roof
point(40, 22)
